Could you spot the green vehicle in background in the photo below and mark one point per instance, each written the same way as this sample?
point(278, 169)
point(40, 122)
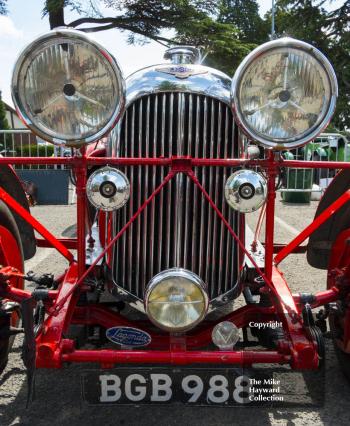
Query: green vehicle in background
point(300, 183)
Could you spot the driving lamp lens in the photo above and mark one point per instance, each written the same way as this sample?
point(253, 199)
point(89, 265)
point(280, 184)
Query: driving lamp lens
point(176, 300)
point(67, 88)
point(284, 93)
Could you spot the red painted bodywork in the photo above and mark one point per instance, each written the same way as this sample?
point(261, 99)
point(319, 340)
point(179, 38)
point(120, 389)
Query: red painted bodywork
point(296, 349)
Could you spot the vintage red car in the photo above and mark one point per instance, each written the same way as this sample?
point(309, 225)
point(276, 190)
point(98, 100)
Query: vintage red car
point(161, 249)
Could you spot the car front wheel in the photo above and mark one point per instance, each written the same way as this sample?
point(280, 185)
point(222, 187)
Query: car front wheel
point(11, 254)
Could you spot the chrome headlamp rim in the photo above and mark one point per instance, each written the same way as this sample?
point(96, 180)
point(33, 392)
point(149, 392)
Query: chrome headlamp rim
point(182, 273)
point(64, 33)
point(285, 42)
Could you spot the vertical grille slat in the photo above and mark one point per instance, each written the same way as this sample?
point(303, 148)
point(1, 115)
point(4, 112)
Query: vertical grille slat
point(161, 151)
point(179, 183)
point(131, 203)
point(232, 219)
point(154, 180)
point(222, 230)
point(189, 218)
point(216, 242)
point(178, 228)
point(210, 244)
point(139, 194)
point(196, 204)
point(170, 185)
point(144, 217)
point(202, 246)
point(123, 219)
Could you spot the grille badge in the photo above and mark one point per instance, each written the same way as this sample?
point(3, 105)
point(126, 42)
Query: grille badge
point(181, 71)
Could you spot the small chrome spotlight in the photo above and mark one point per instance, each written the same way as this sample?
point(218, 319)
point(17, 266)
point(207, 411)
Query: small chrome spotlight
point(108, 189)
point(245, 191)
point(225, 335)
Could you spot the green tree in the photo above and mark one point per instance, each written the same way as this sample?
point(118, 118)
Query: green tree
point(244, 15)
point(142, 18)
point(4, 125)
point(329, 32)
point(195, 22)
point(219, 42)
point(3, 9)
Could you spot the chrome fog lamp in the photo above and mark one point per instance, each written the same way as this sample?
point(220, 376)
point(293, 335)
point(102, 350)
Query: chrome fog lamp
point(245, 191)
point(176, 300)
point(108, 189)
point(284, 93)
point(67, 88)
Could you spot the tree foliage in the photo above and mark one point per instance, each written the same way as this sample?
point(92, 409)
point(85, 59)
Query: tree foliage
point(219, 42)
point(195, 22)
point(3, 9)
point(244, 15)
point(4, 125)
point(329, 32)
point(142, 18)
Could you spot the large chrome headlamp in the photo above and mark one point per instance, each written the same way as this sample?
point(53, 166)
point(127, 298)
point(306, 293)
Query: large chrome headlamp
point(284, 93)
point(67, 88)
point(176, 300)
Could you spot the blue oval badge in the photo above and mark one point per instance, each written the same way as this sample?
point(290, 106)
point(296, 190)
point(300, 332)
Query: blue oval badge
point(128, 336)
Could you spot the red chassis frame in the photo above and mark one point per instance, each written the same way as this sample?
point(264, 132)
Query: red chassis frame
point(52, 348)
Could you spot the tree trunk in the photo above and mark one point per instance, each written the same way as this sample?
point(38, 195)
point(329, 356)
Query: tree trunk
point(56, 13)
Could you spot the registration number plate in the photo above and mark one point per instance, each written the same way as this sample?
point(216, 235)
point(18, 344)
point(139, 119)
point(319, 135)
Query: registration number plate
point(223, 387)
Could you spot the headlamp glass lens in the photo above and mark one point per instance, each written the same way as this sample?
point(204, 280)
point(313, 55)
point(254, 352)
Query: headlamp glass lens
point(68, 89)
point(284, 94)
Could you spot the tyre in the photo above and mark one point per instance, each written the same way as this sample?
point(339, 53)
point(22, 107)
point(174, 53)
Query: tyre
point(336, 328)
point(339, 311)
point(11, 254)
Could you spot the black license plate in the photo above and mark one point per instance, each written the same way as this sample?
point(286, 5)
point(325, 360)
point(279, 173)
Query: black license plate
point(192, 386)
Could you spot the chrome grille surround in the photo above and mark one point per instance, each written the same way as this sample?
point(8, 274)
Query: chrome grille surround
point(179, 228)
point(166, 116)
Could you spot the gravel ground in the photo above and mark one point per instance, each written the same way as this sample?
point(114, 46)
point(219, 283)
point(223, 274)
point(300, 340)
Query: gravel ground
point(58, 392)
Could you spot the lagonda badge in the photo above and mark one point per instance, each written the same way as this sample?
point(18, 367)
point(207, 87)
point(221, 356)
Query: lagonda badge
point(128, 336)
point(181, 71)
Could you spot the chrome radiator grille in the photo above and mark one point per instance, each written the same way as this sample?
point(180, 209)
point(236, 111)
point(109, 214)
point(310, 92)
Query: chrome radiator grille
point(179, 228)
